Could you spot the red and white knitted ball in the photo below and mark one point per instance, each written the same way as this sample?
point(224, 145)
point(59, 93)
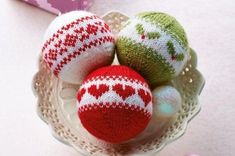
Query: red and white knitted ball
point(114, 103)
point(77, 43)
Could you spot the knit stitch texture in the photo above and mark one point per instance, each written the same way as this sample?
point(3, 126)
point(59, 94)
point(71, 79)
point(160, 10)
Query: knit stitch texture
point(77, 43)
point(155, 45)
point(114, 103)
point(166, 100)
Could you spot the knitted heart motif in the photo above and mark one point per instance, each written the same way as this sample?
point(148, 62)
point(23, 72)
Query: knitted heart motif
point(97, 92)
point(146, 97)
point(113, 116)
point(80, 94)
point(124, 92)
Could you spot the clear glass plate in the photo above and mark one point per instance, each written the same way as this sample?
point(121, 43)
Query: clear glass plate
point(57, 107)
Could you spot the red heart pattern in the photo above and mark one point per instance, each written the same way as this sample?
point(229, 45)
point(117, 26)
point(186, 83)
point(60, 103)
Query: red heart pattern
point(123, 93)
point(146, 97)
point(97, 91)
point(80, 94)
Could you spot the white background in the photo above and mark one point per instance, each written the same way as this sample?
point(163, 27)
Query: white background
point(210, 26)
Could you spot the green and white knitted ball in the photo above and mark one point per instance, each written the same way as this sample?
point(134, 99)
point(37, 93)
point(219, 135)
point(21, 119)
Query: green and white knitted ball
point(155, 45)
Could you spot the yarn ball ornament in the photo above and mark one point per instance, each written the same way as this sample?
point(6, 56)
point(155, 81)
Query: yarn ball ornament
point(166, 100)
point(114, 103)
point(77, 43)
point(155, 45)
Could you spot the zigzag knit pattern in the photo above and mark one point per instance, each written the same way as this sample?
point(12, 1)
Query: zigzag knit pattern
point(155, 45)
point(114, 103)
point(73, 40)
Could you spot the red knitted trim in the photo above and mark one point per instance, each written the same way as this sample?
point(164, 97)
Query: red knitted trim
point(115, 77)
point(114, 71)
point(80, 50)
point(113, 122)
point(132, 107)
point(63, 29)
point(70, 40)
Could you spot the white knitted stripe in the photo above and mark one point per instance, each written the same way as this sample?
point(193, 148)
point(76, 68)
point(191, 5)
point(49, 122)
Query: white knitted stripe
point(78, 44)
point(97, 57)
point(111, 96)
point(62, 20)
point(159, 45)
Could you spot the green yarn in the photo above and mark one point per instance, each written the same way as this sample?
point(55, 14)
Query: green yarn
point(155, 45)
point(139, 29)
point(171, 50)
point(153, 35)
point(146, 61)
point(168, 23)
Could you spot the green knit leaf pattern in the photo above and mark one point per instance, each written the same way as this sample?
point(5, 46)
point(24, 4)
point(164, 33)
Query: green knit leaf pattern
point(170, 48)
point(179, 57)
point(140, 29)
point(172, 52)
point(167, 23)
point(153, 35)
point(151, 65)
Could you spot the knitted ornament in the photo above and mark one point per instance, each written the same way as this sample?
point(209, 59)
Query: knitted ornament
point(77, 43)
point(155, 45)
point(114, 103)
point(166, 100)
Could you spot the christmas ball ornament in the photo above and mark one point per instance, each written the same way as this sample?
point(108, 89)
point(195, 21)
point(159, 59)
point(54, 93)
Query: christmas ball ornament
point(114, 103)
point(76, 43)
point(166, 101)
point(155, 45)
point(166, 104)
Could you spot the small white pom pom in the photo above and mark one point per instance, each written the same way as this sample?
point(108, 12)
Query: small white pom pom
point(167, 101)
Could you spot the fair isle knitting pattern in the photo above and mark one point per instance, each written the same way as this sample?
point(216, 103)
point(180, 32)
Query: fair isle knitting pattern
point(119, 90)
point(155, 45)
point(73, 40)
point(116, 96)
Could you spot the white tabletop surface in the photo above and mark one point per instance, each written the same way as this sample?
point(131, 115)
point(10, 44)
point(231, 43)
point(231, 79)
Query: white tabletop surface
point(210, 26)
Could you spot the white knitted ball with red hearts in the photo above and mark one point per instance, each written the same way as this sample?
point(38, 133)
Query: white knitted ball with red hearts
point(76, 43)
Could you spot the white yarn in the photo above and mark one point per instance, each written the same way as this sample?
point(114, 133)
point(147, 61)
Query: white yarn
point(92, 58)
point(111, 96)
point(168, 97)
point(159, 45)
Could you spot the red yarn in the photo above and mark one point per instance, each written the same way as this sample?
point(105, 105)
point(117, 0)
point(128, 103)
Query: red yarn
point(124, 93)
point(114, 124)
point(97, 92)
point(73, 39)
point(145, 96)
point(114, 103)
point(116, 70)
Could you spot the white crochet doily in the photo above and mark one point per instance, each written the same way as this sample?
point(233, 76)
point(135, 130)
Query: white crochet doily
point(57, 107)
